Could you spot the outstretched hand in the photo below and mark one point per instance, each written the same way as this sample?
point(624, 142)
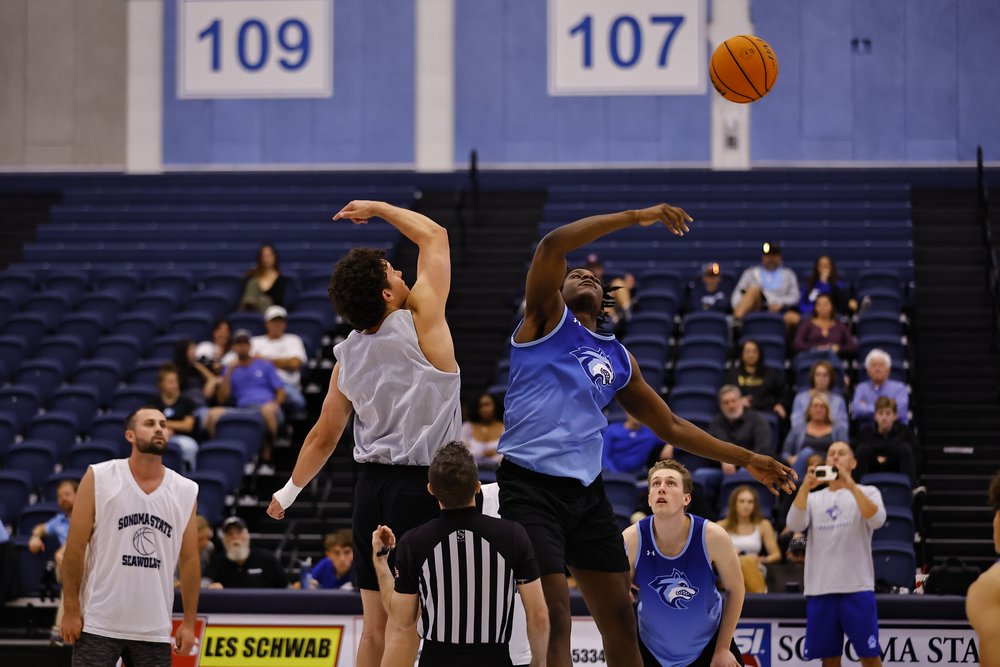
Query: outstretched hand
point(674, 218)
point(774, 475)
point(357, 211)
point(383, 541)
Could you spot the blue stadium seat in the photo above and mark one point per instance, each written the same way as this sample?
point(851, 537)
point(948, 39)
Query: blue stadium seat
point(123, 350)
point(621, 491)
point(32, 515)
point(211, 494)
point(127, 399)
point(697, 372)
point(86, 454)
point(31, 568)
point(703, 348)
point(13, 352)
point(316, 281)
point(898, 527)
point(650, 349)
point(886, 279)
point(111, 426)
point(142, 326)
point(657, 301)
point(651, 324)
point(105, 304)
point(162, 348)
point(251, 321)
point(763, 326)
point(102, 375)
point(20, 401)
point(172, 458)
point(15, 490)
point(177, 283)
point(45, 375)
point(8, 432)
point(124, 283)
point(706, 325)
point(214, 304)
point(729, 483)
point(653, 373)
point(310, 327)
point(158, 303)
point(694, 398)
point(879, 325)
point(318, 303)
point(894, 487)
point(17, 285)
point(30, 327)
point(881, 300)
point(196, 326)
point(664, 281)
point(81, 401)
point(7, 308)
point(57, 478)
point(86, 327)
point(58, 428)
point(50, 305)
point(72, 284)
point(895, 563)
point(692, 461)
point(66, 349)
point(34, 457)
point(225, 456)
point(248, 429)
point(230, 284)
point(146, 373)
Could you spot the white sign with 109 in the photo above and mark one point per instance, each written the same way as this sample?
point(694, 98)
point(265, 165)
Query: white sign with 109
point(627, 47)
point(254, 48)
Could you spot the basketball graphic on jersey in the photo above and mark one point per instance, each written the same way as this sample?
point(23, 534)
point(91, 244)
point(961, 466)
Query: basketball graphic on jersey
point(674, 589)
point(597, 365)
point(143, 541)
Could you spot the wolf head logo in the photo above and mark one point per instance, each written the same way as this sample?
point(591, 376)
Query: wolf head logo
point(596, 364)
point(674, 589)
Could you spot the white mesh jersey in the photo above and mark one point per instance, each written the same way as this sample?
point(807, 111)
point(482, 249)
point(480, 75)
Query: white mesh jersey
point(128, 581)
point(405, 408)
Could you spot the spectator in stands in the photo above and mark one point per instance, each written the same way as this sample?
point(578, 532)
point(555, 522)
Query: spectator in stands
point(629, 445)
point(815, 434)
point(253, 384)
point(982, 603)
point(197, 382)
point(481, 431)
point(336, 570)
point(181, 414)
point(826, 280)
point(840, 579)
point(206, 547)
point(763, 387)
point(822, 378)
point(217, 353)
point(264, 286)
point(886, 445)
point(57, 526)
point(877, 364)
point(752, 534)
point(823, 331)
point(284, 350)
point(768, 286)
point(241, 566)
point(736, 424)
point(708, 295)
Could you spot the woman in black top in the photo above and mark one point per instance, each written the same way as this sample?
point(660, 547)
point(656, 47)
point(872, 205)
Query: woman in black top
point(264, 286)
point(763, 387)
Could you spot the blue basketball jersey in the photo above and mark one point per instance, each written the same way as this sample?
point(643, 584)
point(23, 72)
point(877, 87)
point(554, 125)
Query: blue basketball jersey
point(679, 604)
point(559, 385)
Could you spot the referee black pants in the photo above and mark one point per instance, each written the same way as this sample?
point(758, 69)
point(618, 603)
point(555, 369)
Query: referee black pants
point(440, 654)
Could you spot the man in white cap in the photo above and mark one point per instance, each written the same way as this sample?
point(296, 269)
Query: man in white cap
point(285, 351)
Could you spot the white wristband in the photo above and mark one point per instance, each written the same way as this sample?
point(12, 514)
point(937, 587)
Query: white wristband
point(287, 494)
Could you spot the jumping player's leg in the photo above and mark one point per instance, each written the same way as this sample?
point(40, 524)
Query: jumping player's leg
point(372, 643)
point(556, 591)
point(608, 600)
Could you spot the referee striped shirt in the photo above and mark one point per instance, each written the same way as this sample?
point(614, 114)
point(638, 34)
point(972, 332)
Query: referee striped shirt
point(465, 567)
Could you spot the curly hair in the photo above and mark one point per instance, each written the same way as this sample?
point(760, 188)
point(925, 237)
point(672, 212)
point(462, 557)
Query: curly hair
point(356, 287)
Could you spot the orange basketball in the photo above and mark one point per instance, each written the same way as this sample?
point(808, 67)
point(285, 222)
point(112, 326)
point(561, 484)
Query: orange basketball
point(744, 68)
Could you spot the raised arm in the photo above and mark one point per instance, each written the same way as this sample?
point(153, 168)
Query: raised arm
point(639, 400)
point(543, 299)
point(317, 447)
point(81, 527)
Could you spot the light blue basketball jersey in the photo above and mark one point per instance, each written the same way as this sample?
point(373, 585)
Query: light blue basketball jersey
point(679, 605)
point(559, 385)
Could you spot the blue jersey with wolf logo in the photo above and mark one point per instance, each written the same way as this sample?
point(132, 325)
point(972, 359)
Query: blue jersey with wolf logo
point(559, 385)
point(679, 604)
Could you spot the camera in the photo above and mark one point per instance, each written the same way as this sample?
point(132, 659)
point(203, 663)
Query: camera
point(826, 473)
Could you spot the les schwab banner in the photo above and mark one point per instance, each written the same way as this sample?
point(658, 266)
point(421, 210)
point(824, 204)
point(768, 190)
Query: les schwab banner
point(331, 641)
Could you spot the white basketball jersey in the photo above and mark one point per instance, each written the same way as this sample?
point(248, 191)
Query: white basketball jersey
point(520, 650)
point(128, 582)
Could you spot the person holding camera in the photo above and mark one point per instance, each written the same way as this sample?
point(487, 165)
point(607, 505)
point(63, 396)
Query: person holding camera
point(840, 575)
